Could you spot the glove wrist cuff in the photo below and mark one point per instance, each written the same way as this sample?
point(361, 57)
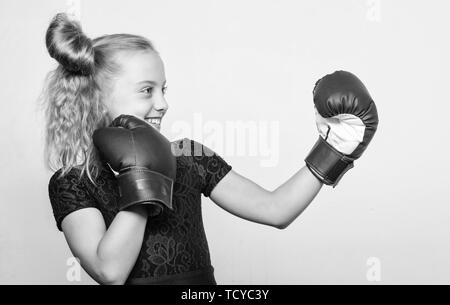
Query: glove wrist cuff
point(143, 186)
point(327, 163)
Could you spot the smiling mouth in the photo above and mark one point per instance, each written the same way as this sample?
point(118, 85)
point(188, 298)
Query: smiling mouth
point(155, 121)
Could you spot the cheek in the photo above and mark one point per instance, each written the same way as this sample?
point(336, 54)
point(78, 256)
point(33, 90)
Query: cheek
point(132, 105)
point(119, 104)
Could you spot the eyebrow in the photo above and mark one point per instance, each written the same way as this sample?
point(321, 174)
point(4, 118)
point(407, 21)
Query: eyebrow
point(150, 82)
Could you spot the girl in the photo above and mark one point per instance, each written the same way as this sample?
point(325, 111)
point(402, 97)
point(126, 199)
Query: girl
point(96, 81)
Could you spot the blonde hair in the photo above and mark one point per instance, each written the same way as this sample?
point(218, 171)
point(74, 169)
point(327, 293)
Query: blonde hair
point(74, 93)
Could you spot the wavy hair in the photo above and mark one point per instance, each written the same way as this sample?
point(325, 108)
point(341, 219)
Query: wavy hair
point(74, 92)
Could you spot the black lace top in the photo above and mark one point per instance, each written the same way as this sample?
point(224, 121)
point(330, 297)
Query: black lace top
point(174, 242)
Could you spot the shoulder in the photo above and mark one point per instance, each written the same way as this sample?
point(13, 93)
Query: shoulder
point(68, 193)
point(199, 160)
point(70, 184)
point(59, 176)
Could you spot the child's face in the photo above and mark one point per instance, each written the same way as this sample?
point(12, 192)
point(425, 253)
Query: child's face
point(139, 88)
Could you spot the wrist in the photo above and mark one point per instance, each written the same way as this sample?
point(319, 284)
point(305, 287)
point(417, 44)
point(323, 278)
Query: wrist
point(326, 163)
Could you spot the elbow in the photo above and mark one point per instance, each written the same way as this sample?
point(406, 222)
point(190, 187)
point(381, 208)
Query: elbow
point(281, 226)
point(279, 220)
point(110, 276)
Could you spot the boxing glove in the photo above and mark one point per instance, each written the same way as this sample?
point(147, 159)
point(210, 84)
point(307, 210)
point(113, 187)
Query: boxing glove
point(347, 119)
point(143, 159)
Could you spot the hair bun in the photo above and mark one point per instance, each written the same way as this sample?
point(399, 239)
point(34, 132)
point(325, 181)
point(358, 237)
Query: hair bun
point(67, 43)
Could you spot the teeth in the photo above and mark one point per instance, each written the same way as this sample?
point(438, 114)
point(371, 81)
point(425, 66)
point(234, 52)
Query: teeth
point(154, 121)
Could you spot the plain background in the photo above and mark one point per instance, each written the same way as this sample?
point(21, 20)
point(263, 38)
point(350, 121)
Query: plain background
point(258, 61)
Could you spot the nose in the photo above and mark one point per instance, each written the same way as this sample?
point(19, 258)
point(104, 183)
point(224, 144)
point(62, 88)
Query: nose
point(160, 104)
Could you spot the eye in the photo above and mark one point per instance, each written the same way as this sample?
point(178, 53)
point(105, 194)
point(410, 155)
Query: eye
point(147, 90)
point(164, 89)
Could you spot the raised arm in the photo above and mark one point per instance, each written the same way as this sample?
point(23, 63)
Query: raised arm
point(346, 118)
point(146, 169)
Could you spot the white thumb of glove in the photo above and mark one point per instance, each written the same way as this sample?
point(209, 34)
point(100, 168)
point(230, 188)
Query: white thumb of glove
point(343, 131)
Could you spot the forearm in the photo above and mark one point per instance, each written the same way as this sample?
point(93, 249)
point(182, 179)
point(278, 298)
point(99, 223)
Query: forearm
point(119, 247)
point(291, 198)
point(244, 198)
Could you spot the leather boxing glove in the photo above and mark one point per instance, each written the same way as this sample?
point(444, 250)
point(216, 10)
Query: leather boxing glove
point(346, 118)
point(143, 159)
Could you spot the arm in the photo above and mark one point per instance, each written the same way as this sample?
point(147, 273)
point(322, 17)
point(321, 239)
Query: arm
point(244, 198)
point(108, 256)
point(346, 118)
point(146, 168)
